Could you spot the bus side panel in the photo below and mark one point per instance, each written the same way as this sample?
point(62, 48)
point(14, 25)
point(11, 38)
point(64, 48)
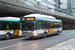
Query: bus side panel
point(11, 32)
point(51, 30)
point(2, 34)
point(8, 31)
point(16, 32)
point(40, 33)
point(58, 29)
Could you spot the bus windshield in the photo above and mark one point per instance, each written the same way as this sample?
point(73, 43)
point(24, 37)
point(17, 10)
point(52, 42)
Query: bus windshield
point(28, 25)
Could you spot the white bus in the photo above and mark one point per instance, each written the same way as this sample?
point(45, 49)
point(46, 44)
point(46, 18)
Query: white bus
point(38, 25)
point(9, 27)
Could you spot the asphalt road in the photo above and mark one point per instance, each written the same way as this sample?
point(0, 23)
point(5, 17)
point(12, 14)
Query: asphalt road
point(40, 44)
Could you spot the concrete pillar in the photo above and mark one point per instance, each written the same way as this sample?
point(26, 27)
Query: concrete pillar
point(73, 25)
point(68, 26)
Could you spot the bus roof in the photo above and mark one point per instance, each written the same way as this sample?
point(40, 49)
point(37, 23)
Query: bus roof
point(9, 19)
point(43, 17)
point(40, 16)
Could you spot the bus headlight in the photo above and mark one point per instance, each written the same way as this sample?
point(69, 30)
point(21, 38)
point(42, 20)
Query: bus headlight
point(20, 34)
point(35, 34)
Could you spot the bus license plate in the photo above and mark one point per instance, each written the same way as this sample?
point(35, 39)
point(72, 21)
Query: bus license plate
point(26, 36)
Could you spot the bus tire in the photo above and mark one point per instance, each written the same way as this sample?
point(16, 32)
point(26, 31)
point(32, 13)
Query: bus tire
point(7, 36)
point(57, 32)
point(45, 35)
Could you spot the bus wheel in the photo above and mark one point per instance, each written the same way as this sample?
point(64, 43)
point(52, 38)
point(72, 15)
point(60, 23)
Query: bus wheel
point(57, 32)
point(7, 36)
point(45, 35)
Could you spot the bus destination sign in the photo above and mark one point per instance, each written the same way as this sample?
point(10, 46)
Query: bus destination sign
point(31, 18)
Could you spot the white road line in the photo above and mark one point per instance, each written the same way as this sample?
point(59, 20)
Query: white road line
point(68, 47)
point(71, 39)
point(61, 43)
point(16, 45)
point(11, 39)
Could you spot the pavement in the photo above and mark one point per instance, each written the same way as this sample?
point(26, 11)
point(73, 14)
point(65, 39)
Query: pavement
point(67, 45)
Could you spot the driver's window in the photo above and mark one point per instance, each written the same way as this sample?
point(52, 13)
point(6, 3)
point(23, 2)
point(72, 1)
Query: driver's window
point(40, 25)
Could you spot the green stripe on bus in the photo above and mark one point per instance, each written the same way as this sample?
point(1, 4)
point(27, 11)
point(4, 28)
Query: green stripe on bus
point(48, 19)
point(8, 20)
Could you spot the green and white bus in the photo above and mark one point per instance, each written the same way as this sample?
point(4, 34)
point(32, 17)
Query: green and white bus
point(38, 25)
point(9, 27)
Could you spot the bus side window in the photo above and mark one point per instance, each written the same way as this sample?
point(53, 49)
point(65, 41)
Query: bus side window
point(7, 26)
point(1, 27)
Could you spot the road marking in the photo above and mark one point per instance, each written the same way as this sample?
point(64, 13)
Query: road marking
point(61, 46)
point(12, 39)
point(16, 45)
point(61, 43)
point(71, 39)
point(67, 47)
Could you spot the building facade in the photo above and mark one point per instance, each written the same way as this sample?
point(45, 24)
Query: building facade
point(57, 5)
point(64, 6)
point(68, 7)
point(50, 4)
point(72, 7)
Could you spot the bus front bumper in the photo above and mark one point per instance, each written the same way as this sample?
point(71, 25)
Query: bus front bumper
point(30, 35)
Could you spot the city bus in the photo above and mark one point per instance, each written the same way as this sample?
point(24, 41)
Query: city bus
point(39, 25)
point(9, 27)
